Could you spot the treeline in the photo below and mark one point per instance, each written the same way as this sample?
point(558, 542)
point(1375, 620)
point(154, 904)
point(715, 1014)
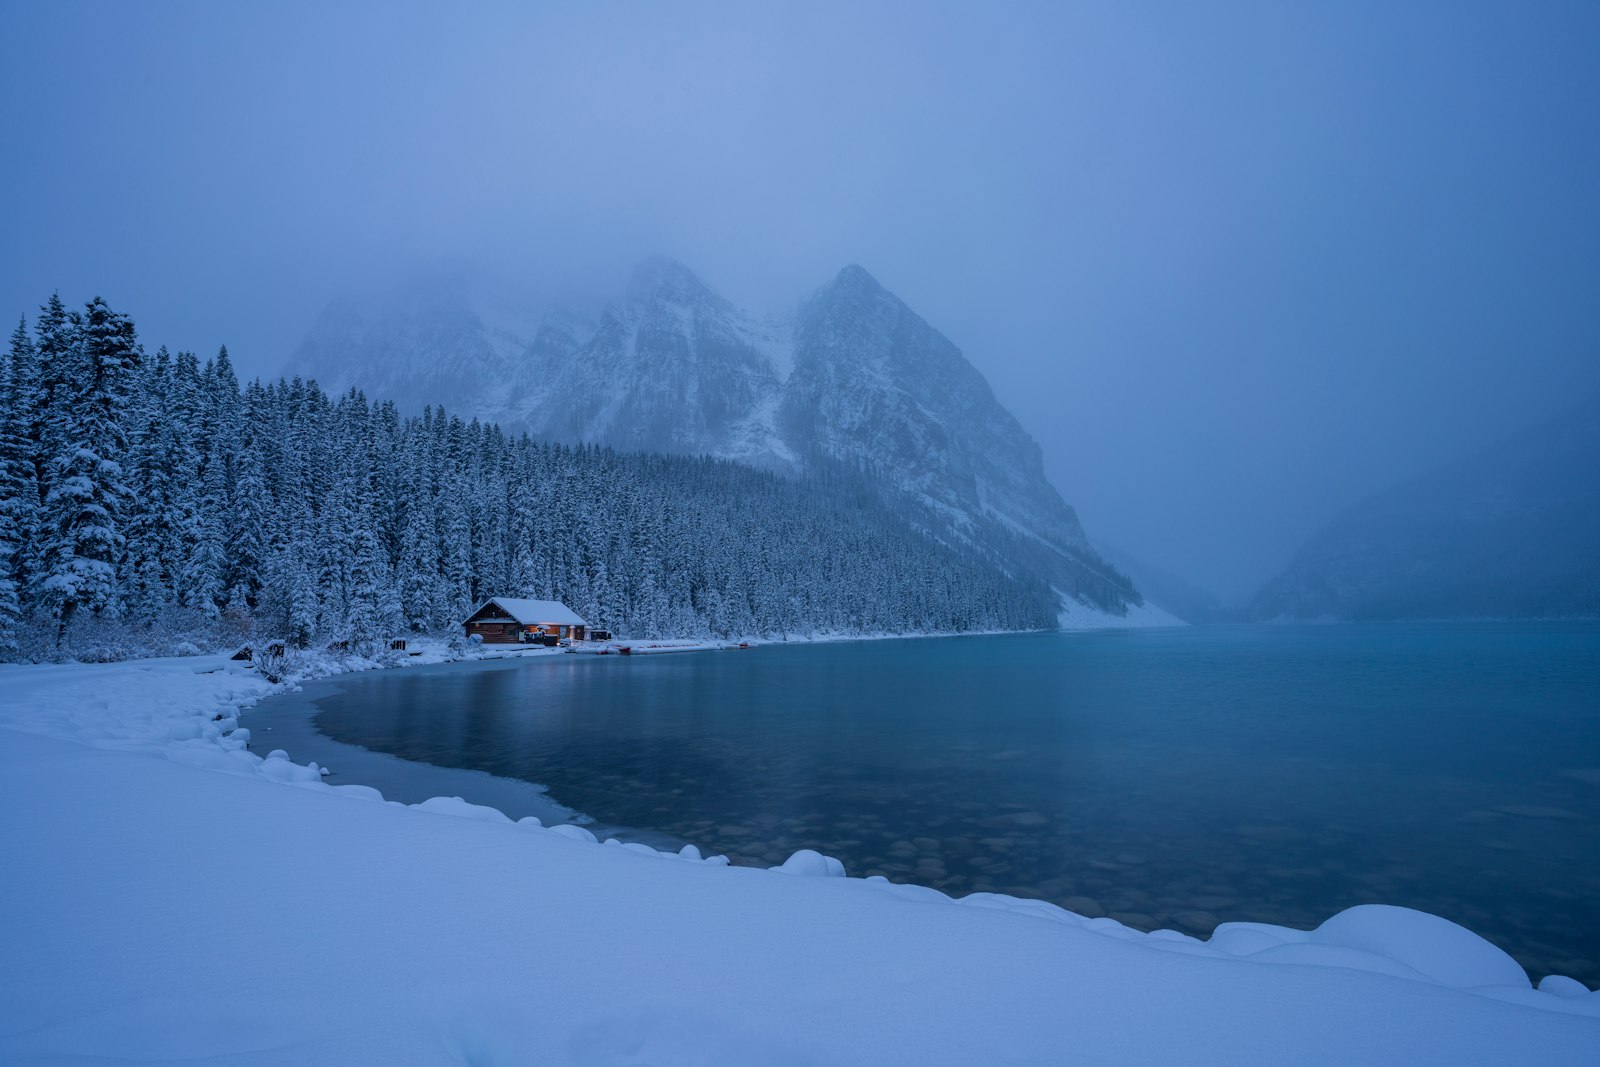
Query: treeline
point(147, 501)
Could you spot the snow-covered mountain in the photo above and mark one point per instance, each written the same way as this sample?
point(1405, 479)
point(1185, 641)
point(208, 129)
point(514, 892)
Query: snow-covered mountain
point(855, 378)
point(873, 383)
point(671, 367)
point(1511, 532)
point(436, 340)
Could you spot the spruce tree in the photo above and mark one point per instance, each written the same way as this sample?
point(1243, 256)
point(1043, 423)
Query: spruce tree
point(203, 574)
point(16, 484)
point(418, 577)
point(157, 463)
point(80, 527)
point(246, 526)
point(54, 350)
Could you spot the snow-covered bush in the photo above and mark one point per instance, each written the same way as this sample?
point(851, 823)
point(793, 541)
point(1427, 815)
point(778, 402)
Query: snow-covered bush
point(272, 660)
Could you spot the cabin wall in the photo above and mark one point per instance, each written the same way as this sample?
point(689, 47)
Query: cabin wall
point(494, 633)
point(504, 631)
point(497, 627)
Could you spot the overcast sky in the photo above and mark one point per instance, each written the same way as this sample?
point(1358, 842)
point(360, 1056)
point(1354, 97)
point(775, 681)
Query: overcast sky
point(1233, 265)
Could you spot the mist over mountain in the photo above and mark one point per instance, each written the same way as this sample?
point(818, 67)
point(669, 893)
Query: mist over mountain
point(854, 376)
point(1170, 592)
point(450, 339)
point(1511, 532)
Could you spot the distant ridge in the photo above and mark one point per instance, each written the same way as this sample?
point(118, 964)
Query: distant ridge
point(1512, 532)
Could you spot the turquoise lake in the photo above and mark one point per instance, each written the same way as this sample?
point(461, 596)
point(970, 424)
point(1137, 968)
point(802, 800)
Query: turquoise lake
point(1169, 778)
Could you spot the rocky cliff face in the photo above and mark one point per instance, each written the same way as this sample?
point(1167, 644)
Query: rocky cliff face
point(856, 379)
point(874, 384)
point(672, 367)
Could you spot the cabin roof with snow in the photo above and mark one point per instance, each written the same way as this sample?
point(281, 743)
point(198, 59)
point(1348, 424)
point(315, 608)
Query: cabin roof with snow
point(533, 612)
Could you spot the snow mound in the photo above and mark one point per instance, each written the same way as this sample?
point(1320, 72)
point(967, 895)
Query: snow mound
point(461, 809)
point(811, 864)
point(1383, 938)
point(1562, 986)
point(1450, 954)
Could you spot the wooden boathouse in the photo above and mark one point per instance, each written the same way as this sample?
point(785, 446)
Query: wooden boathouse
point(511, 620)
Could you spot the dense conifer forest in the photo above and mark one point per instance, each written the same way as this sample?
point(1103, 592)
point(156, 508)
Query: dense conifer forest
point(148, 502)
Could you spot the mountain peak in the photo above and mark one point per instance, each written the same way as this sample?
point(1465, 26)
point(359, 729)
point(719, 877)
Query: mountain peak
point(855, 276)
point(663, 276)
point(854, 293)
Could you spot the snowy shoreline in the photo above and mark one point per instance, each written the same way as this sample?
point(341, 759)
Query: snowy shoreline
point(285, 719)
point(101, 830)
point(412, 781)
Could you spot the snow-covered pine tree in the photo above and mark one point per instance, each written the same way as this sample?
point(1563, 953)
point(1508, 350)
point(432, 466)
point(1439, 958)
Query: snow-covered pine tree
point(222, 394)
point(455, 531)
point(54, 348)
point(304, 613)
point(202, 585)
point(417, 577)
point(17, 494)
point(19, 490)
point(247, 526)
point(156, 467)
point(79, 528)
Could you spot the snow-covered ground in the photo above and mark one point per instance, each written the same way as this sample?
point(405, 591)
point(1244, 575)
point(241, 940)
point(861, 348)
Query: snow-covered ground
point(166, 894)
point(1077, 615)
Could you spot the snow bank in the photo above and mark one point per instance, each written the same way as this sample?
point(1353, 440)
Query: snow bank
point(1076, 615)
point(155, 909)
point(810, 863)
point(657, 648)
point(1388, 940)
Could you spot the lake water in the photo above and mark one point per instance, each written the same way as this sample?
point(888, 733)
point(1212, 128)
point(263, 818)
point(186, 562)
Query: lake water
point(1169, 778)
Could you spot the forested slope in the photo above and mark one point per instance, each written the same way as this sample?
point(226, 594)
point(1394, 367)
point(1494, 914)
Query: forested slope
point(150, 500)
